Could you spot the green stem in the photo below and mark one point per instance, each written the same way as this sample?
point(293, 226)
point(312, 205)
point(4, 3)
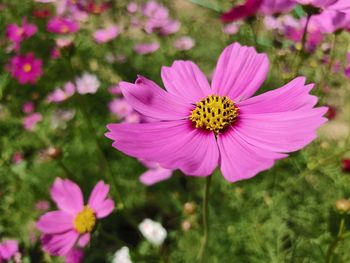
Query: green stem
point(207, 5)
point(103, 157)
point(205, 217)
point(303, 44)
point(332, 247)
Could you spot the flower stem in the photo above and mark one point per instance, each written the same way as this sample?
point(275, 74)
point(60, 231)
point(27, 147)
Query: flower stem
point(205, 218)
point(334, 244)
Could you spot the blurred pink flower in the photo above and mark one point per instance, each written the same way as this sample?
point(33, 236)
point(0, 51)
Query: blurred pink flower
point(55, 53)
point(184, 43)
point(95, 8)
point(107, 34)
point(28, 107)
point(346, 165)
point(231, 28)
point(59, 95)
point(74, 221)
point(154, 174)
point(63, 42)
point(42, 205)
point(120, 108)
point(18, 33)
point(17, 157)
point(87, 83)
point(132, 7)
point(75, 255)
point(30, 121)
point(115, 90)
point(8, 249)
point(146, 48)
point(133, 117)
point(199, 127)
point(25, 68)
point(61, 25)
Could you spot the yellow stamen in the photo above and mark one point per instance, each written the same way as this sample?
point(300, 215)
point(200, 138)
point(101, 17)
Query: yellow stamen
point(214, 113)
point(85, 220)
point(27, 67)
point(64, 29)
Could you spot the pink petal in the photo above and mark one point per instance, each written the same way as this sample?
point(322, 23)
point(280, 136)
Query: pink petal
point(241, 160)
point(293, 96)
point(239, 72)
point(104, 208)
point(84, 240)
point(173, 144)
point(55, 222)
point(98, 194)
point(61, 244)
point(186, 80)
point(149, 99)
point(153, 176)
point(67, 196)
point(7, 249)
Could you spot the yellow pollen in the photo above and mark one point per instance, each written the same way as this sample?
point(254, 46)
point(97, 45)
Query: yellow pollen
point(64, 29)
point(27, 67)
point(85, 220)
point(214, 113)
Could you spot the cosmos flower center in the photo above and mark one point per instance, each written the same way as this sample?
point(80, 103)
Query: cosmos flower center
point(85, 220)
point(64, 29)
point(19, 31)
point(214, 113)
point(27, 67)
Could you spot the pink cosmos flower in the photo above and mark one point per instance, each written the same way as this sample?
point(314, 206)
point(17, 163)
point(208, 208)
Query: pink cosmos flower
point(30, 121)
point(146, 48)
point(199, 127)
point(61, 25)
point(74, 221)
point(17, 157)
point(42, 205)
point(25, 68)
point(75, 255)
point(120, 107)
point(184, 43)
point(28, 107)
point(87, 83)
point(8, 249)
point(106, 34)
point(231, 28)
point(132, 7)
point(18, 33)
point(154, 174)
point(59, 95)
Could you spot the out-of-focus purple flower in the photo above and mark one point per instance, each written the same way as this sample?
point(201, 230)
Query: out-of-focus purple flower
point(75, 255)
point(154, 174)
point(231, 28)
point(146, 48)
point(92, 7)
point(133, 117)
point(18, 33)
point(248, 9)
point(132, 7)
point(107, 34)
point(30, 121)
point(59, 95)
point(184, 43)
point(270, 7)
point(25, 68)
point(8, 249)
point(87, 83)
point(120, 108)
point(42, 205)
point(61, 25)
point(55, 53)
point(17, 157)
point(28, 107)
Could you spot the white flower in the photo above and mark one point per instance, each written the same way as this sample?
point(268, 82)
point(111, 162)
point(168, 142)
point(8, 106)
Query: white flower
point(153, 231)
point(87, 83)
point(122, 256)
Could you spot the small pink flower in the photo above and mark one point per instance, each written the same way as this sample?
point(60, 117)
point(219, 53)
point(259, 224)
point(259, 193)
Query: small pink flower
point(106, 34)
point(63, 42)
point(199, 126)
point(132, 7)
point(28, 107)
point(59, 95)
point(115, 90)
point(154, 174)
point(25, 68)
point(120, 108)
point(146, 48)
point(42, 205)
point(61, 25)
point(87, 83)
point(231, 28)
point(55, 53)
point(17, 157)
point(184, 43)
point(73, 222)
point(75, 255)
point(30, 121)
point(18, 33)
point(8, 249)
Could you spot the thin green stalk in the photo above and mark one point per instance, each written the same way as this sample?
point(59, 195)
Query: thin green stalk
point(254, 33)
point(301, 52)
point(205, 218)
point(332, 247)
point(103, 157)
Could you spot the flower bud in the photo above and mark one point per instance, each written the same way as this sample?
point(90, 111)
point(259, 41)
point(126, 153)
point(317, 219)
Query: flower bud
point(343, 205)
point(186, 225)
point(189, 208)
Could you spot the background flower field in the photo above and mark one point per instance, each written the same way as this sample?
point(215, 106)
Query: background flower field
point(285, 214)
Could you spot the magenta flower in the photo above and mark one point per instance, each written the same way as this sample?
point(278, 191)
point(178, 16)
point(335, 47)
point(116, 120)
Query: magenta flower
point(8, 249)
point(25, 68)
point(199, 127)
point(184, 43)
point(30, 121)
point(106, 34)
point(75, 255)
point(61, 25)
point(28, 107)
point(74, 221)
point(154, 174)
point(18, 33)
point(146, 48)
